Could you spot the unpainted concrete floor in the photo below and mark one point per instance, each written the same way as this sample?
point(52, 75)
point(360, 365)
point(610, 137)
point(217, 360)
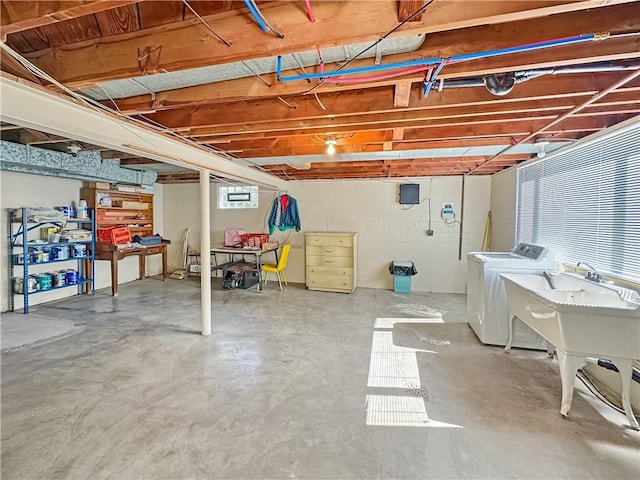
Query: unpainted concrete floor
point(292, 384)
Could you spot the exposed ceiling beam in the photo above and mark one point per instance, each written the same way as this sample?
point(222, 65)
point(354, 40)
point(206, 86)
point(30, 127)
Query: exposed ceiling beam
point(12, 66)
point(408, 8)
point(189, 44)
point(34, 107)
point(482, 130)
point(500, 113)
point(238, 117)
point(113, 155)
point(22, 15)
point(401, 94)
point(573, 112)
point(618, 18)
point(137, 161)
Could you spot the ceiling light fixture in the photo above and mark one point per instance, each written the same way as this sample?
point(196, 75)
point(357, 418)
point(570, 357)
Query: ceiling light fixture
point(331, 141)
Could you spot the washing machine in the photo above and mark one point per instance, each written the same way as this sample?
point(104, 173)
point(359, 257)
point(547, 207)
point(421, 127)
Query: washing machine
point(487, 306)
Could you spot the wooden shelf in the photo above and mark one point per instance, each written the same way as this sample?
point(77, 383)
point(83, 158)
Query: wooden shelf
point(118, 215)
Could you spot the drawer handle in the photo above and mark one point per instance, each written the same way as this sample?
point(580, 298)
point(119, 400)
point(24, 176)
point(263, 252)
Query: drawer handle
point(328, 251)
point(328, 261)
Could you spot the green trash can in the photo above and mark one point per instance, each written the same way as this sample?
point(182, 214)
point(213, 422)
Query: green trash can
point(401, 284)
point(402, 273)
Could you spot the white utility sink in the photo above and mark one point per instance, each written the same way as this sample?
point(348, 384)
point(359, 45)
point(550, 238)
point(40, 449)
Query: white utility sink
point(581, 318)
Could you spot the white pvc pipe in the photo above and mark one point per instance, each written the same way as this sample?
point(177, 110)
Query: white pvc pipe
point(205, 257)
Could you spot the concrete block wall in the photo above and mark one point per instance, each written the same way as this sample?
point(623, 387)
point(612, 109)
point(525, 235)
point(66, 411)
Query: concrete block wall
point(181, 209)
point(386, 230)
point(21, 189)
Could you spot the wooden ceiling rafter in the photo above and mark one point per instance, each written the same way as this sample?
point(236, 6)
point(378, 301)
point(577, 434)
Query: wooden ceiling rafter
point(183, 46)
point(244, 117)
point(16, 16)
point(379, 101)
point(484, 37)
point(619, 104)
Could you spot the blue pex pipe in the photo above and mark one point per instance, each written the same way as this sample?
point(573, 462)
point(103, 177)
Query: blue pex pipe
point(429, 83)
point(435, 60)
point(255, 15)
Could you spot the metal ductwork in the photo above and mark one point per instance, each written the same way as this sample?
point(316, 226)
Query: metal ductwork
point(81, 165)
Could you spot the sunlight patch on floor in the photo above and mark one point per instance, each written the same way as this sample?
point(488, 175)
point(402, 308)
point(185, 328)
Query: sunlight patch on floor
point(393, 366)
point(399, 411)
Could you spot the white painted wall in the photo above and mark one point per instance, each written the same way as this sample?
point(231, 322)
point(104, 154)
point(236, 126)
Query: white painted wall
point(181, 210)
point(386, 230)
point(503, 210)
point(19, 190)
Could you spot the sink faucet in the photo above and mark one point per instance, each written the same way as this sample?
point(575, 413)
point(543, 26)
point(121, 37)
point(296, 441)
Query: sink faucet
point(592, 273)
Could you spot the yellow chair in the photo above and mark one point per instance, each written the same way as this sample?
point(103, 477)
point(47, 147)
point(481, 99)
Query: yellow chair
point(278, 269)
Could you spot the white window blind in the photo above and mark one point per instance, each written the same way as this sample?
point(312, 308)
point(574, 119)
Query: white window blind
point(584, 203)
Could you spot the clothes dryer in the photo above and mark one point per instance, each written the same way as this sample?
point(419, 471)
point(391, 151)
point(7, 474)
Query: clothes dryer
point(487, 306)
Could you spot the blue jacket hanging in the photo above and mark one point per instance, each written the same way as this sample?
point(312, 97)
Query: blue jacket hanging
point(284, 214)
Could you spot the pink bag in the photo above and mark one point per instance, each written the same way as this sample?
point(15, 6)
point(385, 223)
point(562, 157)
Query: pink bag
point(232, 237)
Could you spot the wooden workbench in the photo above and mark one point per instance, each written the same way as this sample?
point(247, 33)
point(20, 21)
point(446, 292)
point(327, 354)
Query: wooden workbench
point(115, 253)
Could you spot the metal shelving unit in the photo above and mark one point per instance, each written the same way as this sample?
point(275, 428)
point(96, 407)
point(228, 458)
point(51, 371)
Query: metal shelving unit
point(18, 229)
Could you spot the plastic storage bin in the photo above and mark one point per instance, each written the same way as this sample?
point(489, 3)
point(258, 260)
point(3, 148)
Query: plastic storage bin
point(114, 235)
point(254, 239)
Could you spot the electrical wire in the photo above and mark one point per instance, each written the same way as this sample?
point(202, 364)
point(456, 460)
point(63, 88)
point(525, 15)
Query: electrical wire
point(206, 24)
point(586, 381)
point(286, 103)
point(374, 78)
point(319, 102)
point(150, 92)
point(255, 74)
point(373, 45)
point(260, 18)
point(266, 22)
point(300, 65)
point(97, 106)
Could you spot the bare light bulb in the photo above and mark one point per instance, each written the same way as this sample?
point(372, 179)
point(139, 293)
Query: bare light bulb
point(331, 149)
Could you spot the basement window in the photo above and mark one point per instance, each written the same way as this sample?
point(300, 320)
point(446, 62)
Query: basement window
point(584, 202)
point(237, 196)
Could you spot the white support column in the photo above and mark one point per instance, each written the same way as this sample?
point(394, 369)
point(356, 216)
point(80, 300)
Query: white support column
point(205, 248)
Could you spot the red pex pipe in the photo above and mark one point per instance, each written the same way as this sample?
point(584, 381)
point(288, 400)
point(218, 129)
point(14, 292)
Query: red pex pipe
point(312, 18)
point(374, 78)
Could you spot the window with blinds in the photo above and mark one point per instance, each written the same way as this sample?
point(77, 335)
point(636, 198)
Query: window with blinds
point(584, 202)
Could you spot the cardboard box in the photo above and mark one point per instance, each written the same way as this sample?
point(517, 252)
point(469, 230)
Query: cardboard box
point(99, 185)
point(129, 188)
point(135, 205)
point(195, 268)
point(47, 232)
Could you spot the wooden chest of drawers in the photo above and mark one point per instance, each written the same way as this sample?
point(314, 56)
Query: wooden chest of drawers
point(331, 259)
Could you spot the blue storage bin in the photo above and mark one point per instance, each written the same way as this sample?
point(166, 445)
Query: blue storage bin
point(402, 283)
